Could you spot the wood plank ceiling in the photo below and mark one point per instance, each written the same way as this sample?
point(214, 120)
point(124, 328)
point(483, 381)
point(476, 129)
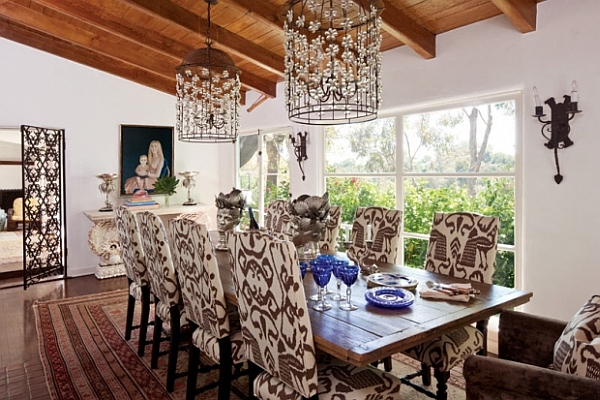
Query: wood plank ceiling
point(144, 40)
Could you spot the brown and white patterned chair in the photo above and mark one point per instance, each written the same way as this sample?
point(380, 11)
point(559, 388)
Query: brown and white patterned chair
point(137, 274)
point(168, 305)
point(462, 245)
point(278, 219)
point(204, 302)
point(329, 242)
point(277, 330)
point(385, 226)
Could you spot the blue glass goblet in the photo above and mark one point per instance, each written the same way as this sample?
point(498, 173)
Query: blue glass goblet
point(337, 263)
point(314, 263)
point(327, 259)
point(303, 267)
point(349, 275)
point(322, 275)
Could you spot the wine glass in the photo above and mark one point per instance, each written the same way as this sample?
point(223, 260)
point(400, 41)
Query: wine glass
point(313, 264)
point(337, 263)
point(322, 275)
point(349, 275)
point(327, 259)
point(303, 267)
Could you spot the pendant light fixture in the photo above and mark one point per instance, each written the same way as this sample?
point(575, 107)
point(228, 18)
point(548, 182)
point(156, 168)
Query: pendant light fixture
point(332, 61)
point(208, 94)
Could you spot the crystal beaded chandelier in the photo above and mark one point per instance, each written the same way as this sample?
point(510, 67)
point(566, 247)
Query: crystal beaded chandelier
point(208, 94)
point(332, 61)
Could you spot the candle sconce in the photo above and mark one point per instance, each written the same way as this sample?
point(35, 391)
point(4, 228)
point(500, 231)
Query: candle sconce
point(557, 129)
point(300, 150)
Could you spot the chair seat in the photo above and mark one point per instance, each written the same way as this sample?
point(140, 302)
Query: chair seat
point(163, 312)
point(337, 380)
point(209, 345)
point(447, 351)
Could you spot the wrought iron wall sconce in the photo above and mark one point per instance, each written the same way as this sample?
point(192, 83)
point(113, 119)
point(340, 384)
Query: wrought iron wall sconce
point(300, 150)
point(557, 129)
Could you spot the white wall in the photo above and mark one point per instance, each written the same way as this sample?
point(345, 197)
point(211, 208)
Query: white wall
point(39, 89)
point(559, 222)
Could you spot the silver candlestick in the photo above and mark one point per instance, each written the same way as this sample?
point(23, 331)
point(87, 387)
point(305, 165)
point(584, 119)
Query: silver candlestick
point(107, 187)
point(189, 183)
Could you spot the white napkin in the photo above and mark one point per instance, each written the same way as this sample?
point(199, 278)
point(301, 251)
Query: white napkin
point(427, 293)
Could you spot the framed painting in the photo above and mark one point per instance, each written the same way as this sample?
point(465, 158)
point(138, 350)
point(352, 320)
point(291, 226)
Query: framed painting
point(146, 154)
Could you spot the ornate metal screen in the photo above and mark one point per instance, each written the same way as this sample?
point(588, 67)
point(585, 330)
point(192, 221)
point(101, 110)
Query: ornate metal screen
point(44, 218)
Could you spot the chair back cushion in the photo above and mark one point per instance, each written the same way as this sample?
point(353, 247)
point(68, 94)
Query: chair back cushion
point(272, 307)
point(163, 278)
point(131, 246)
point(577, 351)
point(385, 226)
point(198, 274)
point(463, 245)
point(332, 230)
point(278, 219)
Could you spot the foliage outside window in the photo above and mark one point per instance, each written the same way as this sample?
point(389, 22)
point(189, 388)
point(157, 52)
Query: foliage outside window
point(455, 159)
point(263, 172)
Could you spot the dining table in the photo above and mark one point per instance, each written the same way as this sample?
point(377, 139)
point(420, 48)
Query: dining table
point(372, 333)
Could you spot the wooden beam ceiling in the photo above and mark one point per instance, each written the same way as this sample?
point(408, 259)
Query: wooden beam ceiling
point(409, 32)
point(522, 13)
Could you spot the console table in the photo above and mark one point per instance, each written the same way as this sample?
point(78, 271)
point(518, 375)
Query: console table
point(103, 238)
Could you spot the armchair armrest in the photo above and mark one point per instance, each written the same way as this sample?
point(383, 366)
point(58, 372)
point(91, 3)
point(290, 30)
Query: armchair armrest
point(527, 338)
point(492, 379)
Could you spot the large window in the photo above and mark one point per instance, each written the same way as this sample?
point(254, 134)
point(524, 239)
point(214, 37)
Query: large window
point(263, 170)
point(460, 157)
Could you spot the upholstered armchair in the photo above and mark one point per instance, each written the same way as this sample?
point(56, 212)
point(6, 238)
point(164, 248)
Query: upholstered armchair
point(525, 351)
point(16, 215)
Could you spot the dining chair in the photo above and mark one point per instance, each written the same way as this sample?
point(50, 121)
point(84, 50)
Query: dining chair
point(461, 245)
point(329, 242)
point(199, 217)
point(385, 226)
point(277, 330)
point(278, 219)
point(168, 305)
point(213, 334)
point(136, 272)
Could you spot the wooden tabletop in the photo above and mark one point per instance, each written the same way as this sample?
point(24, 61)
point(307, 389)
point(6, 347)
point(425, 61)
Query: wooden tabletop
point(372, 333)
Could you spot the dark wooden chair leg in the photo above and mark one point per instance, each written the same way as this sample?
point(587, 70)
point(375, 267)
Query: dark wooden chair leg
point(442, 384)
point(225, 368)
point(425, 374)
point(482, 326)
point(192, 378)
point(253, 371)
point(144, 319)
point(130, 309)
point(174, 348)
point(387, 364)
point(156, 339)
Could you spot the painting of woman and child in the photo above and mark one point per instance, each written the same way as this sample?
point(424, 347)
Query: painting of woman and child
point(146, 155)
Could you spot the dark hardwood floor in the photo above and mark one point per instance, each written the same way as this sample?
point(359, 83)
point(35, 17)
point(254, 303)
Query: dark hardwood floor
point(21, 373)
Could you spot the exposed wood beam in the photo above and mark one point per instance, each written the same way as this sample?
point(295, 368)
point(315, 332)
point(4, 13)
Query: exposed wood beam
point(41, 41)
point(259, 10)
point(398, 24)
point(94, 14)
point(522, 13)
point(222, 38)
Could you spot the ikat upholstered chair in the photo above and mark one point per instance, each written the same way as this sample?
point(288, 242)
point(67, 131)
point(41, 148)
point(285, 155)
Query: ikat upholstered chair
point(329, 242)
point(462, 245)
point(136, 271)
point(204, 300)
point(278, 219)
point(385, 226)
point(527, 346)
point(200, 217)
point(168, 305)
point(277, 331)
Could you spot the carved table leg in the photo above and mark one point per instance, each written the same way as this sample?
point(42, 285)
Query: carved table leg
point(104, 242)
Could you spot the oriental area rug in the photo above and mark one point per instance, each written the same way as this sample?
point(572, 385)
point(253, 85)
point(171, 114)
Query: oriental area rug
point(85, 355)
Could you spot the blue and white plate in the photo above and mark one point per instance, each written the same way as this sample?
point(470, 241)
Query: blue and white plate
point(389, 297)
point(392, 279)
